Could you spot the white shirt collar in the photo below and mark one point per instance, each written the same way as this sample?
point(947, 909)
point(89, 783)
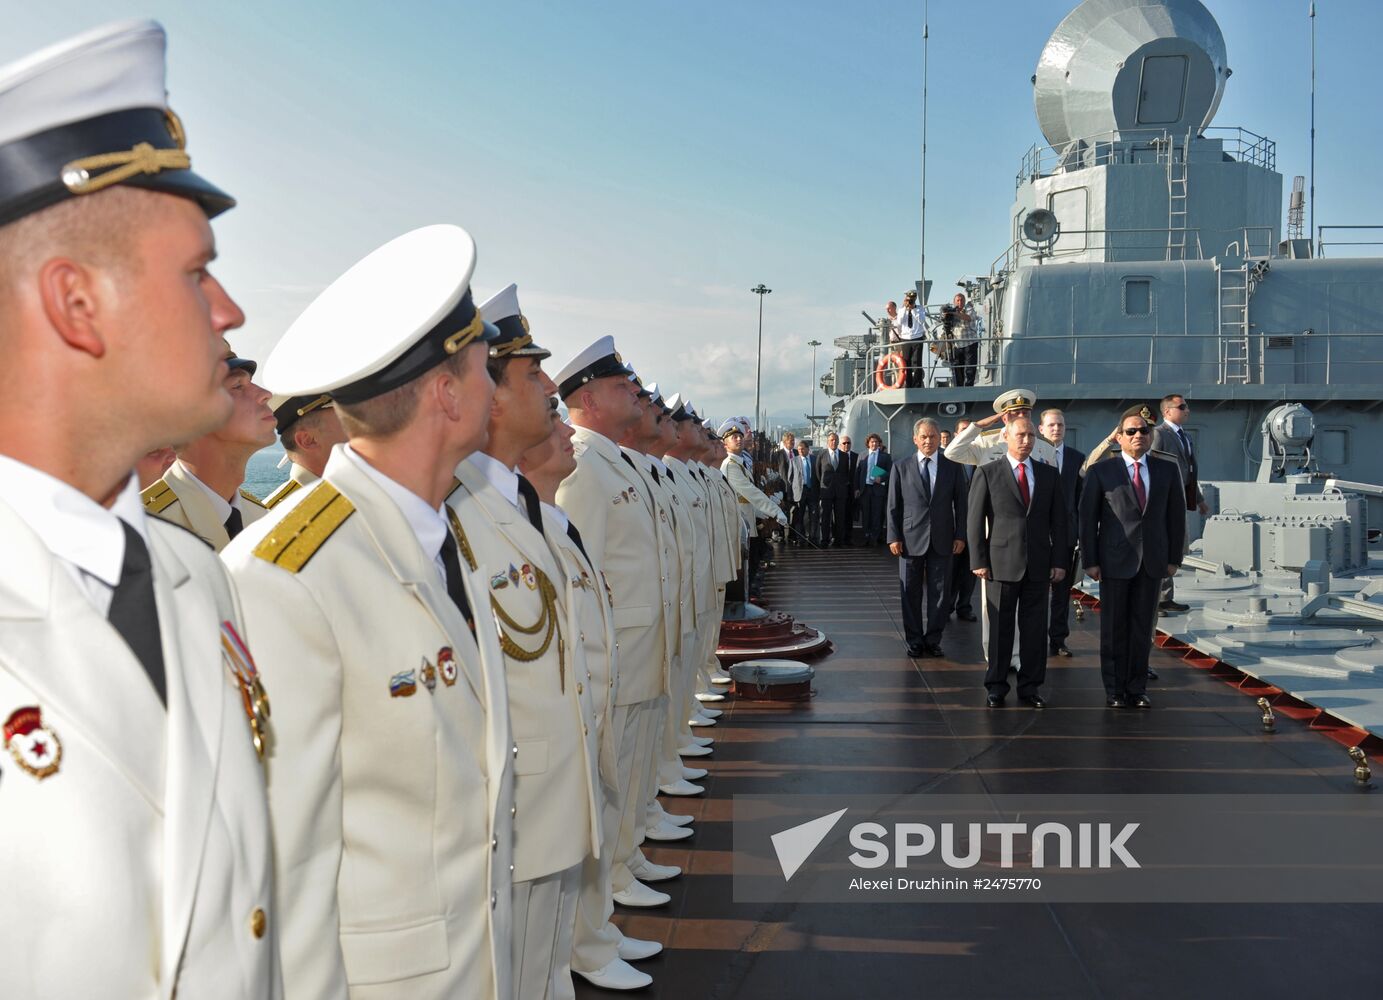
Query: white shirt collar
point(556, 513)
point(1173, 426)
point(505, 480)
point(1013, 464)
point(1128, 462)
point(658, 463)
point(75, 528)
point(218, 502)
point(429, 524)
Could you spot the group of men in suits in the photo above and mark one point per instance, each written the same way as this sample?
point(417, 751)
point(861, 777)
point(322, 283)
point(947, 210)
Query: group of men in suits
point(486, 634)
point(1016, 500)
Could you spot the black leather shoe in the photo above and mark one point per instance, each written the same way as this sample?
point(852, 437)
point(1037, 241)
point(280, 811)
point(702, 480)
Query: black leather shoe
point(1114, 703)
point(1174, 606)
point(1140, 701)
point(994, 701)
point(914, 653)
point(1059, 649)
point(1152, 674)
point(935, 652)
point(966, 616)
point(1035, 701)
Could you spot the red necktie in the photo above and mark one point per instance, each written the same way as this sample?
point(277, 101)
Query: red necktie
point(1138, 490)
point(1023, 483)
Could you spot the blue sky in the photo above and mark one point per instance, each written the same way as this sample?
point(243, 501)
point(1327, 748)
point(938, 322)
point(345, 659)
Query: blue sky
point(637, 166)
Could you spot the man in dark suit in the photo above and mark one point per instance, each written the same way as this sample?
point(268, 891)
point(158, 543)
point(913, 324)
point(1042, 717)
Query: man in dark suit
point(926, 527)
point(783, 461)
point(1068, 465)
point(1018, 541)
point(960, 600)
point(849, 461)
point(871, 488)
point(835, 487)
point(1132, 533)
point(1172, 442)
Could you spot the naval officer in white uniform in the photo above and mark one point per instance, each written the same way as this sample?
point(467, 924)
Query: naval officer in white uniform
point(135, 857)
point(609, 500)
point(556, 788)
point(391, 777)
point(308, 429)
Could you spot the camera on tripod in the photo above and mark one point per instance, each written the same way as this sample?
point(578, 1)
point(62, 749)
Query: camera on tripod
point(944, 342)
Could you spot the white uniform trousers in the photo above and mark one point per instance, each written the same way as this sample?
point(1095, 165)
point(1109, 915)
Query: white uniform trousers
point(683, 681)
point(544, 919)
point(595, 943)
point(636, 766)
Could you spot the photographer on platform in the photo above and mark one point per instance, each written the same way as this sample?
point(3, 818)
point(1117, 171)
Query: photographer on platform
point(965, 342)
point(912, 343)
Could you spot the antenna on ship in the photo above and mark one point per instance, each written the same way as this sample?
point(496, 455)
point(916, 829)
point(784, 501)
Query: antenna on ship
point(923, 286)
point(1313, 119)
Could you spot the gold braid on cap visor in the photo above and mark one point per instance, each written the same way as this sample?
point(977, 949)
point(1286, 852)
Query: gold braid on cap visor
point(517, 344)
point(321, 401)
point(465, 335)
point(119, 167)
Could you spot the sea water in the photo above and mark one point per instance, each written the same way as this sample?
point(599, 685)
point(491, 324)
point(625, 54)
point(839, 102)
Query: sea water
point(262, 474)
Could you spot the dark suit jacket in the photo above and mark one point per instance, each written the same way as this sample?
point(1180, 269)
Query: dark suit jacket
point(1071, 461)
point(1166, 444)
point(885, 462)
point(1119, 539)
point(834, 482)
point(850, 462)
point(923, 527)
point(1012, 541)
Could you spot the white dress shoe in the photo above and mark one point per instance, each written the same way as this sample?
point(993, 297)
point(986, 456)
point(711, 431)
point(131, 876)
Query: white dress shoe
point(666, 831)
point(694, 751)
point(701, 720)
point(647, 871)
point(703, 741)
point(618, 975)
point(705, 696)
point(640, 895)
point(635, 950)
point(711, 713)
point(678, 819)
point(721, 679)
point(693, 773)
point(681, 787)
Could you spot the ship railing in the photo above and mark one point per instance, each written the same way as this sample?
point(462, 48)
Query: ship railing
point(1322, 242)
point(1074, 243)
point(1124, 145)
point(1058, 360)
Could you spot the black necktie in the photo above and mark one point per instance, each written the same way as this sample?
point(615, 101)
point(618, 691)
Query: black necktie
point(655, 475)
point(1185, 442)
point(235, 522)
point(451, 561)
point(530, 500)
point(926, 480)
point(134, 613)
point(575, 536)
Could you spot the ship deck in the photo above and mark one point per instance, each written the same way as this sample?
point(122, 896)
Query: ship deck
point(882, 723)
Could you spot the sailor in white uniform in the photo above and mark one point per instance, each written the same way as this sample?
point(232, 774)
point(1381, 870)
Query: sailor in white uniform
point(308, 429)
point(134, 834)
point(391, 776)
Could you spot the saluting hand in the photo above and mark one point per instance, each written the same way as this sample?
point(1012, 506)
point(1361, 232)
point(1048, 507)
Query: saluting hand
point(990, 420)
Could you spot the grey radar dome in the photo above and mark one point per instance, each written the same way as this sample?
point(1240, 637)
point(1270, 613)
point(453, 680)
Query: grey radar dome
point(1130, 65)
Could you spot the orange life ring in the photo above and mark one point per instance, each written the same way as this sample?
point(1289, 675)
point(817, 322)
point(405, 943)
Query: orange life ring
point(881, 372)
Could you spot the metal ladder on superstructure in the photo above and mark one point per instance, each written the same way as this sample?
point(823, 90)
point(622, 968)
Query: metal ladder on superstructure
point(1176, 196)
point(1232, 277)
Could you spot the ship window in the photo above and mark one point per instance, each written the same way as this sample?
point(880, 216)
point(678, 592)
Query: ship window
point(1137, 296)
point(1072, 210)
point(1162, 91)
point(1331, 447)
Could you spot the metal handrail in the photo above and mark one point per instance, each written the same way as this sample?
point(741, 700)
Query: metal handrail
point(1116, 145)
point(1321, 244)
point(1007, 260)
point(1061, 368)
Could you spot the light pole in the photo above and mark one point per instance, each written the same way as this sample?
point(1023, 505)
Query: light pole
point(813, 344)
point(760, 290)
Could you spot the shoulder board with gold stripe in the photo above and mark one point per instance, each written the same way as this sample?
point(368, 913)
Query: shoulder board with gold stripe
point(273, 499)
point(158, 497)
point(296, 539)
point(247, 495)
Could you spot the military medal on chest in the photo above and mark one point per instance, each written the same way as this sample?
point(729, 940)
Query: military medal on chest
point(246, 677)
point(34, 746)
